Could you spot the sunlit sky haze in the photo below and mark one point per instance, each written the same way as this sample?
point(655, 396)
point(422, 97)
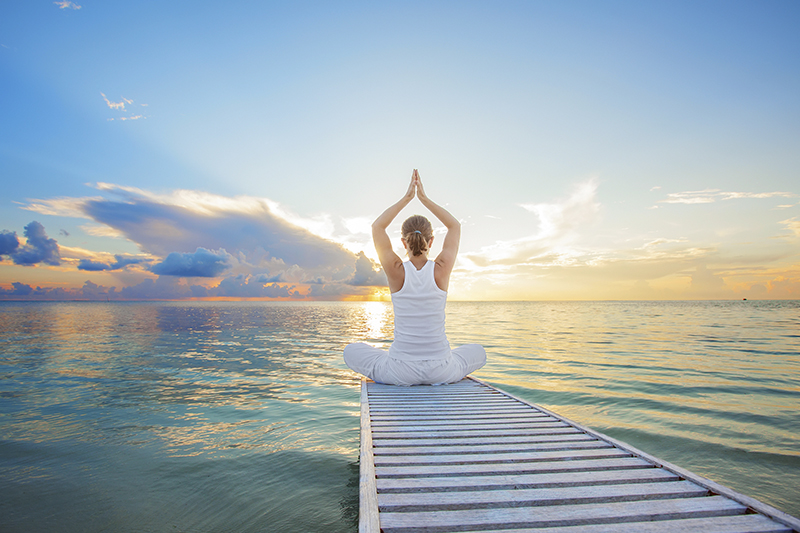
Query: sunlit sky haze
point(592, 150)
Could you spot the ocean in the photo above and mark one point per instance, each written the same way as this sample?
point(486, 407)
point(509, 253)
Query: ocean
point(241, 416)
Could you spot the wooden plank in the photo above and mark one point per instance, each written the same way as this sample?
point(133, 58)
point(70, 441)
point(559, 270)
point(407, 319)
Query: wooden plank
point(522, 468)
point(368, 517)
point(560, 435)
point(498, 447)
point(377, 424)
point(496, 458)
point(462, 406)
point(563, 515)
point(474, 415)
point(449, 412)
point(576, 478)
point(748, 523)
point(479, 432)
point(462, 425)
point(430, 501)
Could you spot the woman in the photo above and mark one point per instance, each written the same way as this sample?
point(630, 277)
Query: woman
point(420, 353)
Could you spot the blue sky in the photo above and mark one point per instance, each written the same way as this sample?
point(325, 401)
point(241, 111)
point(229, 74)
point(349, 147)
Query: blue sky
point(592, 150)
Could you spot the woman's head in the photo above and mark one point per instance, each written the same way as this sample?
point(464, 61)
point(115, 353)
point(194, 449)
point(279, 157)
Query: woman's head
point(417, 234)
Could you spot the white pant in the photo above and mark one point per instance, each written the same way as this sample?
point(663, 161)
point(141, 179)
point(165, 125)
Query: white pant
point(379, 367)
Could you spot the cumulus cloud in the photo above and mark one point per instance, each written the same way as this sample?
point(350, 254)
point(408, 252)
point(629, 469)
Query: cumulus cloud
point(9, 242)
point(366, 273)
point(38, 248)
point(243, 286)
point(708, 196)
point(119, 263)
point(200, 264)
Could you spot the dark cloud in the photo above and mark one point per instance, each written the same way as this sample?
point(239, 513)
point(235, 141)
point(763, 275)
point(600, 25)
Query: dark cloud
point(365, 274)
point(20, 289)
point(119, 263)
point(162, 288)
point(9, 242)
point(93, 266)
point(200, 264)
point(63, 232)
point(38, 248)
point(243, 286)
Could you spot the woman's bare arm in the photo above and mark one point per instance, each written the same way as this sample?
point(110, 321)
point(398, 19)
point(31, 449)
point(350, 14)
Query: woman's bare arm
point(390, 261)
point(446, 259)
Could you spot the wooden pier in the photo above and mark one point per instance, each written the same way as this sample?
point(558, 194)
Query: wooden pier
point(470, 457)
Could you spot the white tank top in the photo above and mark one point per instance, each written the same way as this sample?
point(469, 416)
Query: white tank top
point(419, 332)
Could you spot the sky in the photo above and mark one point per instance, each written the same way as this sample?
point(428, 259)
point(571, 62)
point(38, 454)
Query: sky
point(591, 150)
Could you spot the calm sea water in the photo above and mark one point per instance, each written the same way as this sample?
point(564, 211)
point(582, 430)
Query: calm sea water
point(201, 417)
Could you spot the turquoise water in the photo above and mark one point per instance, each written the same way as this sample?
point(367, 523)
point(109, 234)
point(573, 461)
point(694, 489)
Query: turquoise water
point(242, 416)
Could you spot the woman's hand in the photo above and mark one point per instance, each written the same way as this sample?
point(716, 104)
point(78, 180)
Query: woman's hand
point(418, 181)
point(411, 192)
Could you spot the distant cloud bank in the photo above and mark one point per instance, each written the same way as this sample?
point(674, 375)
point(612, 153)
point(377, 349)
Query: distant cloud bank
point(251, 246)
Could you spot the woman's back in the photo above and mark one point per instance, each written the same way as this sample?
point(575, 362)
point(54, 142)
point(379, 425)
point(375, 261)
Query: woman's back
point(419, 316)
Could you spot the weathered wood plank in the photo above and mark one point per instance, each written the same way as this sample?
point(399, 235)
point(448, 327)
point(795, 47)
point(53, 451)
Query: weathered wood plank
point(576, 478)
point(490, 414)
point(749, 523)
point(462, 425)
point(368, 516)
point(496, 458)
point(564, 515)
point(379, 424)
point(430, 501)
point(560, 435)
point(549, 429)
point(498, 469)
point(498, 447)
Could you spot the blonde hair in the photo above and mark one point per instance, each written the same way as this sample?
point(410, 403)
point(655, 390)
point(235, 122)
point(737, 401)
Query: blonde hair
point(417, 232)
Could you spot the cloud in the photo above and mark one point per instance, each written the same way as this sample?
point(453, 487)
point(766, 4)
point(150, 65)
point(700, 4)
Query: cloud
point(66, 4)
point(119, 263)
point(9, 242)
point(262, 236)
point(708, 196)
point(200, 264)
point(162, 288)
point(559, 219)
point(792, 225)
point(115, 105)
point(366, 275)
point(37, 249)
point(560, 223)
point(242, 286)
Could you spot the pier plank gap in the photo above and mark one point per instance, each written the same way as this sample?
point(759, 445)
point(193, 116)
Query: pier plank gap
point(471, 457)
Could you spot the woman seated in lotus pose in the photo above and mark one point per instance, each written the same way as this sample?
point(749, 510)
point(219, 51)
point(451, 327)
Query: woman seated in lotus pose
point(420, 353)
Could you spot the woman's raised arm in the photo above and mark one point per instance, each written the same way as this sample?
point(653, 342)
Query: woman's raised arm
point(390, 261)
point(446, 259)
